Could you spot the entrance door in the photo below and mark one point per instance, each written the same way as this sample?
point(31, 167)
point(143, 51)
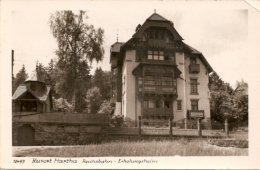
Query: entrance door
point(26, 135)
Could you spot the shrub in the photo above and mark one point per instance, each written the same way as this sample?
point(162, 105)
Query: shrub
point(105, 108)
point(117, 120)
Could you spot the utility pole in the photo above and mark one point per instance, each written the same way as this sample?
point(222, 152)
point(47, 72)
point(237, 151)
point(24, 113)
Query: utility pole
point(12, 63)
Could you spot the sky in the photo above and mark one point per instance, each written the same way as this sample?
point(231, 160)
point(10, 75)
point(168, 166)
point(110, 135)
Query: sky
point(221, 35)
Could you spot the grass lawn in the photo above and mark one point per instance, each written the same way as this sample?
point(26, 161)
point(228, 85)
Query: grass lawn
point(181, 147)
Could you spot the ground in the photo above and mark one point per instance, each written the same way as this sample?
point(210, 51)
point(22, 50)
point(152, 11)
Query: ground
point(141, 147)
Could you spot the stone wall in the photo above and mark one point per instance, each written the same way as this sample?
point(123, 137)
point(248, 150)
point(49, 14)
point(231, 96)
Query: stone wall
point(61, 134)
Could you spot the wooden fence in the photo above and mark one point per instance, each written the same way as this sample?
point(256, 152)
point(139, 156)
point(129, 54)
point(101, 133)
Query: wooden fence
point(169, 131)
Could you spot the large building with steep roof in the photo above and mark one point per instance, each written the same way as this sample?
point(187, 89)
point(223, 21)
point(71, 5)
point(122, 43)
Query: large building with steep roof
point(156, 76)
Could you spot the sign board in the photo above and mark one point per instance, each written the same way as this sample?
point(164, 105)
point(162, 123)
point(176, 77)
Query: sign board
point(196, 114)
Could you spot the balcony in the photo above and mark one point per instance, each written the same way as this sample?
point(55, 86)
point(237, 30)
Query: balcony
point(157, 112)
point(194, 68)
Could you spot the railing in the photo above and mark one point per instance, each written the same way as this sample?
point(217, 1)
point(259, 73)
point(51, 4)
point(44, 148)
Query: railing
point(159, 61)
point(194, 68)
point(157, 112)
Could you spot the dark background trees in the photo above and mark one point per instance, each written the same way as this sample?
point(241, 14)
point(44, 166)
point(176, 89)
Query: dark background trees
point(102, 80)
point(20, 77)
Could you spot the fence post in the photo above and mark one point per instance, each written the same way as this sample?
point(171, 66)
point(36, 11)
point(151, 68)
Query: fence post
point(227, 127)
point(170, 126)
point(185, 123)
point(139, 125)
point(199, 128)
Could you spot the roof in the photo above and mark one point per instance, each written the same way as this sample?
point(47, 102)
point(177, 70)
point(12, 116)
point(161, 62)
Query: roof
point(193, 50)
point(157, 17)
point(202, 58)
point(116, 47)
point(35, 76)
point(40, 95)
point(152, 21)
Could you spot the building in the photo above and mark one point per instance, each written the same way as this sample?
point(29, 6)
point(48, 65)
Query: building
point(156, 75)
point(33, 96)
point(35, 123)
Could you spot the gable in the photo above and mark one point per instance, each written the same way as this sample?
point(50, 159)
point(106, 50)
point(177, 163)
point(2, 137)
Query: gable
point(160, 24)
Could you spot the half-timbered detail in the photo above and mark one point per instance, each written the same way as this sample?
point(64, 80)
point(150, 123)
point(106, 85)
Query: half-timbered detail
point(155, 74)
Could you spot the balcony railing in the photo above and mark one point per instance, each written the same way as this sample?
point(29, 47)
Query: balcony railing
point(194, 68)
point(157, 112)
point(158, 61)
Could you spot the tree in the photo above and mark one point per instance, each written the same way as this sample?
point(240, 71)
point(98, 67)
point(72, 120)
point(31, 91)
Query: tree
point(93, 100)
point(220, 100)
point(78, 44)
point(240, 100)
point(102, 80)
point(48, 74)
point(21, 76)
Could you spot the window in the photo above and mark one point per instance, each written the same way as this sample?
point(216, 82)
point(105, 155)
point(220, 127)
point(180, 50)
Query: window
point(179, 105)
point(113, 90)
point(172, 57)
point(140, 80)
point(145, 104)
point(194, 105)
point(166, 104)
point(114, 71)
point(193, 86)
point(28, 106)
point(157, 80)
point(193, 60)
point(149, 80)
point(157, 104)
point(155, 55)
point(167, 81)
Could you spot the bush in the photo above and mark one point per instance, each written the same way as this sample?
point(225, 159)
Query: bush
point(117, 120)
point(129, 122)
point(105, 108)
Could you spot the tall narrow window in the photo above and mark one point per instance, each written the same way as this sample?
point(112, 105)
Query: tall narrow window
point(194, 105)
point(193, 60)
point(145, 104)
point(157, 103)
point(172, 57)
point(157, 80)
point(140, 80)
point(166, 104)
point(179, 105)
point(193, 86)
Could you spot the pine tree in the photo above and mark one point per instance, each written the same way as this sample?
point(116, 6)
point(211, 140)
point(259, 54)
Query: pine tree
point(21, 76)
